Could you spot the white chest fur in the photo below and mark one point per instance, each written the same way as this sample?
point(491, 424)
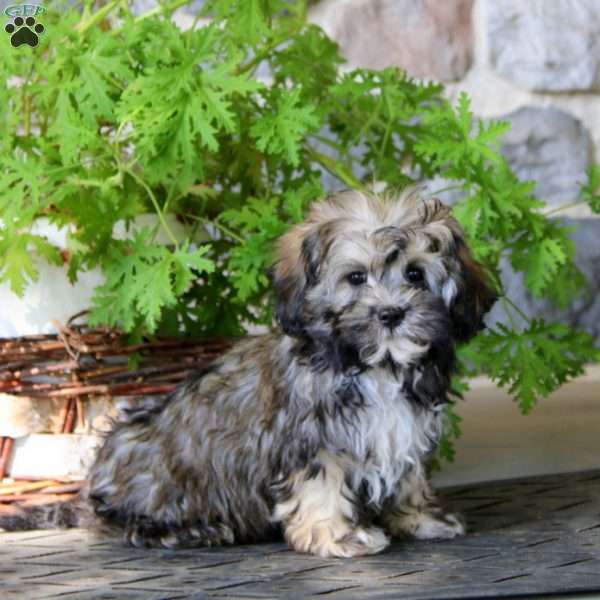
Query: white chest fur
point(391, 435)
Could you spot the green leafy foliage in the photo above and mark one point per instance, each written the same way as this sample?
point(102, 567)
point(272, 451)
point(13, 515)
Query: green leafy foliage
point(224, 133)
point(143, 278)
point(282, 129)
point(461, 150)
point(531, 363)
point(19, 264)
point(590, 191)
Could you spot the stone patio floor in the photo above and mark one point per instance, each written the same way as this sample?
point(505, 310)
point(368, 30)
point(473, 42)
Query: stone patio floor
point(527, 537)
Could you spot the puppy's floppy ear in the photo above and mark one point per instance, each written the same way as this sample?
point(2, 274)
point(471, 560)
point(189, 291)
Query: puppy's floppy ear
point(475, 296)
point(296, 268)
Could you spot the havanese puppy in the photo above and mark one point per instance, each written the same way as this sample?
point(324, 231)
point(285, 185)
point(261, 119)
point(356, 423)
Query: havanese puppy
point(322, 428)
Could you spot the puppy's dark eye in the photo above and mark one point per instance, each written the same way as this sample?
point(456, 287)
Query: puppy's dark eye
point(357, 278)
point(415, 274)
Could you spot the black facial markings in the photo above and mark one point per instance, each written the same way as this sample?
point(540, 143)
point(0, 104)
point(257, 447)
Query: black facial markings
point(429, 210)
point(393, 236)
point(434, 244)
point(330, 315)
point(328, 348)
point(392, 257)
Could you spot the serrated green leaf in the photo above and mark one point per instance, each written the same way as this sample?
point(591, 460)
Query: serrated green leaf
point(18, 256)
point(283, 128)
point(17, 264)
point(540, 262)
point(142, 279)
point(187, 264)
point(534, 362)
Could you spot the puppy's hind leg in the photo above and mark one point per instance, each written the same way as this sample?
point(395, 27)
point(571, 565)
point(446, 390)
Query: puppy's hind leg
point(158, 531)
point(146, 533)
point(415, 511)
point(319, 515)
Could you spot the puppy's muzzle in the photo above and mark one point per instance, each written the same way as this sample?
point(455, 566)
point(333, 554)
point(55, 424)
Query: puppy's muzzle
point(391, 316)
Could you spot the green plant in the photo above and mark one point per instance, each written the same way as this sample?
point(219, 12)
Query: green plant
point(113, 116)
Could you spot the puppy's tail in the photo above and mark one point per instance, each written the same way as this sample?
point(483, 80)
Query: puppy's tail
point(56, 515)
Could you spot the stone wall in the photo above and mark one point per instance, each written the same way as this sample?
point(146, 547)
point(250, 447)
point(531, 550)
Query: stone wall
point(534, 63)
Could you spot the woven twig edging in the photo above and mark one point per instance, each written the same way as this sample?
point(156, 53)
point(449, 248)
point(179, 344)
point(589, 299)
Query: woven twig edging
point(79, 363)
point(16, 496)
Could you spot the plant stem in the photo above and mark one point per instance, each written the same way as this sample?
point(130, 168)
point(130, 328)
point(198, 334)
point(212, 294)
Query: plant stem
point(216, 224)
point(26, 100)
point(563, 207)
point(163, 8)
point(303, 11)
point(86, 182)
point(76, 165)
point(197, 17)
point(265, 52)
point(367, 124)
point(98, 16)
point(26, 113)
point(94, 19)
point(447, 189)
point(109, 78)
point(154, 201)
point(384, 141)
point(337, 169)
point(508, 311)
point(326, 141)
point(507, 300)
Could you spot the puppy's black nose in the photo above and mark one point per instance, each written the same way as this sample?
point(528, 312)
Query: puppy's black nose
point(391, 316)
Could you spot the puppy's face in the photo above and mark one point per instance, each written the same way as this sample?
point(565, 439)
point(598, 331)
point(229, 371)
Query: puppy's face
point(379, 281)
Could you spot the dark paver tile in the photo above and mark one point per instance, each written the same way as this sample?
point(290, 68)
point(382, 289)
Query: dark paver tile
point(531, 536)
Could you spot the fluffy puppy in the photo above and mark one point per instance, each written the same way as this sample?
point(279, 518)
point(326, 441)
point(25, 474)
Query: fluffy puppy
point(321, 428)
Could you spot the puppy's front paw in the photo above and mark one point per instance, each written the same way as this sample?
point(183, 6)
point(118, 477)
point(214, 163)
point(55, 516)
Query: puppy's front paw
point(442, 526)
point(359, 541)
point(427, 525)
